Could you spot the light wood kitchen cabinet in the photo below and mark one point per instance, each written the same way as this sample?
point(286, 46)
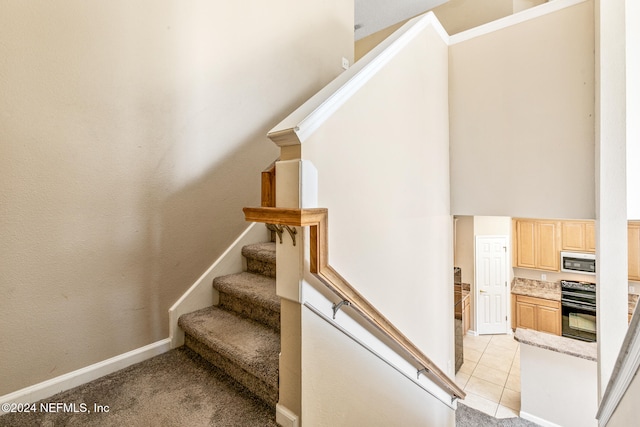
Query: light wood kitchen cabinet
point(578, 236)
point(525, 243)
point(538, 314)
point(591, 236)
point(466, 315)
point(537, 244)
point(633, 236)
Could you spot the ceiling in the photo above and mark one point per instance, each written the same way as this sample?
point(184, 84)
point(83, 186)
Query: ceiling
point(374, 15)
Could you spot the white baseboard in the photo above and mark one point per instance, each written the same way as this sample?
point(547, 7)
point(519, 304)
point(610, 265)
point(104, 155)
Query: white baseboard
point(84, 375)
point(537, 420)
point(201, 294)
point(284, 417)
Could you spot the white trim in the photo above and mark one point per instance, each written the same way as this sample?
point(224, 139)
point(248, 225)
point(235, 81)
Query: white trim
point(516, 18)
point(201, 294)
point(285, 417)
point(84, 375)
point(627, 366)
point(312, 114)
point(537, 420)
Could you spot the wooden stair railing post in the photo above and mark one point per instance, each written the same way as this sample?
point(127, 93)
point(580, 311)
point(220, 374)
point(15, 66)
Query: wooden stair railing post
point(268, 187)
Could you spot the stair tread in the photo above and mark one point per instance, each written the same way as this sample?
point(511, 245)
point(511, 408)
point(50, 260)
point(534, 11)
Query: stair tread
point(265, 251)
point(253, 346)
point(256, 288)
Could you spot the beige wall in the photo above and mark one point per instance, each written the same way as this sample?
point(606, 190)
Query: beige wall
point(455, 16)
point(464, 248)
point(132, 134)
point(460, 15)
point(522, 113)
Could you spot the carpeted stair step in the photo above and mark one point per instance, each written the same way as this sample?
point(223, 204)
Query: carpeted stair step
point(251, 295)
point(244, 349)
point(261, 258)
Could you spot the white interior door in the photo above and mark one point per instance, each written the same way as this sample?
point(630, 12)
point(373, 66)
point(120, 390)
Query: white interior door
point(491, 284)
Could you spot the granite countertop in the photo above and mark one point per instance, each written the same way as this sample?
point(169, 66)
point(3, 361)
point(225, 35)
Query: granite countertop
point(550, 290)
point(536, 288)
point(570, 346)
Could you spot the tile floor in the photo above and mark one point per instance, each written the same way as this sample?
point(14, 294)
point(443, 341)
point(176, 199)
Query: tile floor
point(490, 374)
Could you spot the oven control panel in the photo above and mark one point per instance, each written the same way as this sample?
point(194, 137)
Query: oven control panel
point(583, 286)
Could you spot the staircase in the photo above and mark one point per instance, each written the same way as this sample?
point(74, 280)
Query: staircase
point(241, 335)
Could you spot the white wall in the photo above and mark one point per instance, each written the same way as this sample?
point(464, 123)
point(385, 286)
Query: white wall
point(382, 162)
point(611, 181)
point(132, 135)
point(349, 386)
point(522, 110)
point(557, 388)
point(632, 33)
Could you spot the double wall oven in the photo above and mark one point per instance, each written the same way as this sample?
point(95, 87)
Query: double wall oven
point(578, 310)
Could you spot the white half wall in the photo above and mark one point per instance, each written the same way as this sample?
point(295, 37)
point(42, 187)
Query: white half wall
point(346, 385)
point(557, 389)
point(383, 173)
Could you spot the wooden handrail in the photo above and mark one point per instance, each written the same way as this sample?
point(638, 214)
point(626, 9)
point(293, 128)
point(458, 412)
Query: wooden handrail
point(268, 187)
point(317, 220)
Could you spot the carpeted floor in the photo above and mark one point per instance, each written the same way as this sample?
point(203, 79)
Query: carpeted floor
point(177, 388)
point(469, 417)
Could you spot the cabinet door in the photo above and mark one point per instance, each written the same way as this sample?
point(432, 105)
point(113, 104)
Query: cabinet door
point(549, 320)
point(574, 237)
point(525, 244)
point(466, 316)
point(548, 255)
point(578, 236)
point(525, 315)
point(633, 236)
point(590, 230)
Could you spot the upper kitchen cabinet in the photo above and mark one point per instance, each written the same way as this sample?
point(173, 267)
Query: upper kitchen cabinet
point(578, 236)
point(633, 234)
point(536, 244)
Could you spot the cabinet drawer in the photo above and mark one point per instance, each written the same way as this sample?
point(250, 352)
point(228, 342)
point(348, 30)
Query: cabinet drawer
point(538, 301)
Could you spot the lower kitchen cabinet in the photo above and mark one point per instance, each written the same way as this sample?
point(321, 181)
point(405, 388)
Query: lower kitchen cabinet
point(538, 314)
point(466, 315)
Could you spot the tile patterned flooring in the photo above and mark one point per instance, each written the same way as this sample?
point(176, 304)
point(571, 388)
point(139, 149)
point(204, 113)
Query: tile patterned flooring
point(490, 374)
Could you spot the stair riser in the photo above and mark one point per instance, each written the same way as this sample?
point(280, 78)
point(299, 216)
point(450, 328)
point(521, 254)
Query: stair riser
point(245, 308)
point(261, 267)
point(267, 393)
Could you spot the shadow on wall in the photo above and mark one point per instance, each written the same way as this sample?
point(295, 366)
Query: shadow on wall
point(128, 152)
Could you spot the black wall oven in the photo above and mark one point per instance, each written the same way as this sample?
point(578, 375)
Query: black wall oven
point(579, 310)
